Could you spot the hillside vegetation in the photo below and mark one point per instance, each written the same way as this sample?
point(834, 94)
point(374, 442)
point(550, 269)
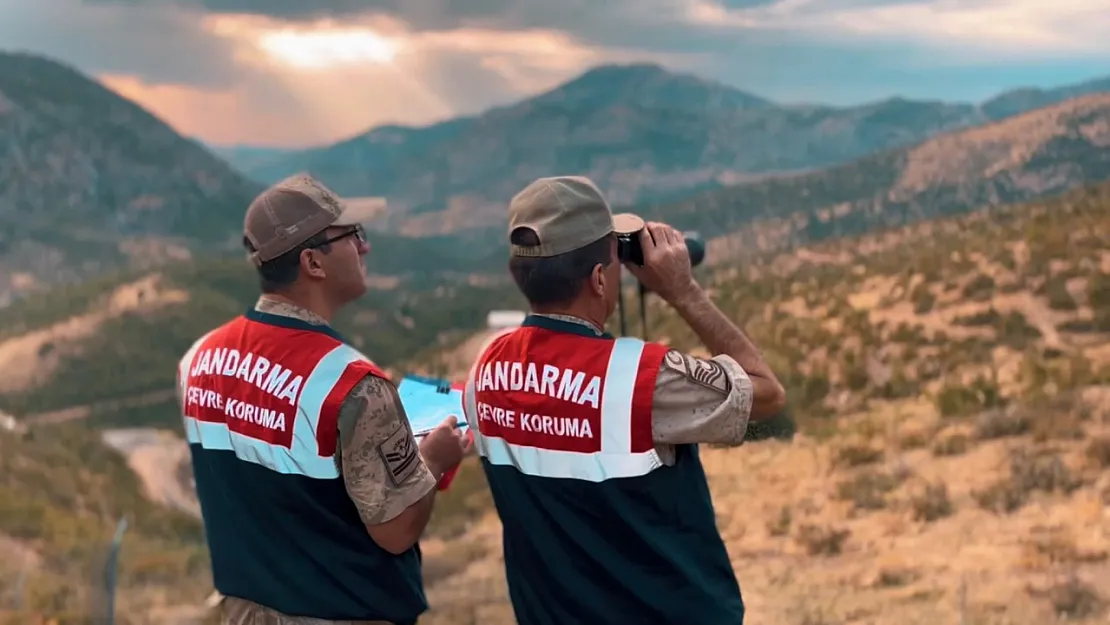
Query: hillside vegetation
point(1034, 155)
point(952, 379)
point(109, 347)
point(61, 494)
point(126, 187)
point(972, 312)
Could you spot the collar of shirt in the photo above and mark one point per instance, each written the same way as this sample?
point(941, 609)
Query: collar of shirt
point(282, 308)
point(576, 320)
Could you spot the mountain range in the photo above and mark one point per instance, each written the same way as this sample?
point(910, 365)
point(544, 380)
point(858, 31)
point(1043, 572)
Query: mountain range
point(91, 182)
point(1036, 154)
point(643, 133)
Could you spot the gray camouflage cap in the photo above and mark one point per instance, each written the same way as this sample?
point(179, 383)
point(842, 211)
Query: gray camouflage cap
point(294, 210)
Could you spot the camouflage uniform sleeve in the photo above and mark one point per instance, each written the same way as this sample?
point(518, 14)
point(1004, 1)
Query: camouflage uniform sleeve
point(701, 401)
point(380, 460)
point(238, 611)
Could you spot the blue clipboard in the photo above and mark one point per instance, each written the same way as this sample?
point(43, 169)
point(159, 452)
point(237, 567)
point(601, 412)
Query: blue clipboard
point(428, 401)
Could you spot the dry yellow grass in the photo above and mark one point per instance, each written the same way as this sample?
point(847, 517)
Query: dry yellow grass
point(992, 147)
point(899, 538)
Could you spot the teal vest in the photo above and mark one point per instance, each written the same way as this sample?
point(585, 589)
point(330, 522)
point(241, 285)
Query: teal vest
point(261, 400)
point(602, 535)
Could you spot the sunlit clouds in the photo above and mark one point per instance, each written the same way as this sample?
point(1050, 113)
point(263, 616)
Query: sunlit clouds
point(289, 74)
point(346, 78)
point(327, 49)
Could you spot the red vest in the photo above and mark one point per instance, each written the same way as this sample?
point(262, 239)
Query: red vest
point(562, 405)
point(270, 393)
point(262, 397)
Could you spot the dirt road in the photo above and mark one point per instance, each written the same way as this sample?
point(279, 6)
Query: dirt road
point(158, 458)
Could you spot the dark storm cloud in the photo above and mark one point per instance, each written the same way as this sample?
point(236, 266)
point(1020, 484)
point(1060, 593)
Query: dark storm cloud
point(420, 14)
point(648, 25)
point(594, 17)
point(745, 4)
point(157, 45)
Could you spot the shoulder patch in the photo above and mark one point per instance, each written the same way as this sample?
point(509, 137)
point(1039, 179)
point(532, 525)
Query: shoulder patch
point(708, 373)
point(400, 455)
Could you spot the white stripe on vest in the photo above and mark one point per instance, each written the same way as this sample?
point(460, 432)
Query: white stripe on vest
point(302, 458)
point(615, 460)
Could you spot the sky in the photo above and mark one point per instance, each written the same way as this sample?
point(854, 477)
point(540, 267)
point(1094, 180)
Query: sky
point(296, 73)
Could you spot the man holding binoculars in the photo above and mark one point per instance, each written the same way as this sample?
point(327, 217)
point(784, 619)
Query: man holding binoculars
point(590, 442)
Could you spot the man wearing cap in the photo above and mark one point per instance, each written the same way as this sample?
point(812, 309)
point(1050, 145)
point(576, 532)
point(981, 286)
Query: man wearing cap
point(590, 442)
point(312, 488)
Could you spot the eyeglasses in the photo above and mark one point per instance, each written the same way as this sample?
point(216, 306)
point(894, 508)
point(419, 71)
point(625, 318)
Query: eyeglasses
point(357, 231)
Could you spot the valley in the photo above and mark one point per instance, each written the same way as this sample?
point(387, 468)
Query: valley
point(135, 196)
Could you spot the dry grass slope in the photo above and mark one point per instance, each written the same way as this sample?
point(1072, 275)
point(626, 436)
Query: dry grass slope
point(952, 382)
point(876, 525)
point(952, 379)
point(61, 493)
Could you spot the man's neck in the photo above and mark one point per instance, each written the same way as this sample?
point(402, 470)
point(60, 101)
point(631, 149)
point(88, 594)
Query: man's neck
point(285, 307)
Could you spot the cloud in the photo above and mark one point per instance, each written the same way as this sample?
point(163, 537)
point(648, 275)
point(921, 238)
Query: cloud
point(982, 28)
point(330, 92)
point(423, 15)
point(312, 71)
point(163, 44)
point(986, 27)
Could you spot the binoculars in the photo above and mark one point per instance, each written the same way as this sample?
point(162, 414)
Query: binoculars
point(628, 228)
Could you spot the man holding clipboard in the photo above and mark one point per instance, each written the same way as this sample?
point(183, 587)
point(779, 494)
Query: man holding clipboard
point(312, 486)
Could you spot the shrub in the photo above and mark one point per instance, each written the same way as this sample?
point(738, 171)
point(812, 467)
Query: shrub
point(826, 541)
point(931, 503)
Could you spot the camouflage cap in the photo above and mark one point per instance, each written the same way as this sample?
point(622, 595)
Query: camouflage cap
point(565, 212)
point(294, 210)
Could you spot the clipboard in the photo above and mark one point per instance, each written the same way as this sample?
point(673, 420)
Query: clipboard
point(427, 402)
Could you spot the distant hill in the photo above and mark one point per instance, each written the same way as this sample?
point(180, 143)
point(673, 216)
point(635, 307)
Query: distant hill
point(1020, 100)
point(1037, 154)
point(643, 133)
point(246, 157)
point(90, 183)
point(1034, 155)
point(116, 339)
point(90, 180)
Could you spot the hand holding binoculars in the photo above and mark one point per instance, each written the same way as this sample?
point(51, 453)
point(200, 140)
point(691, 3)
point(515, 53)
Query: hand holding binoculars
point(628, 228)
point(666, 270)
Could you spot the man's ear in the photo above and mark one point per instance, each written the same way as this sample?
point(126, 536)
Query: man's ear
point(311, 264)
point(597, 279)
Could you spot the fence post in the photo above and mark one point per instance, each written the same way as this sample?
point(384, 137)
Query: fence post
point(110, 572)
point(17, 590)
